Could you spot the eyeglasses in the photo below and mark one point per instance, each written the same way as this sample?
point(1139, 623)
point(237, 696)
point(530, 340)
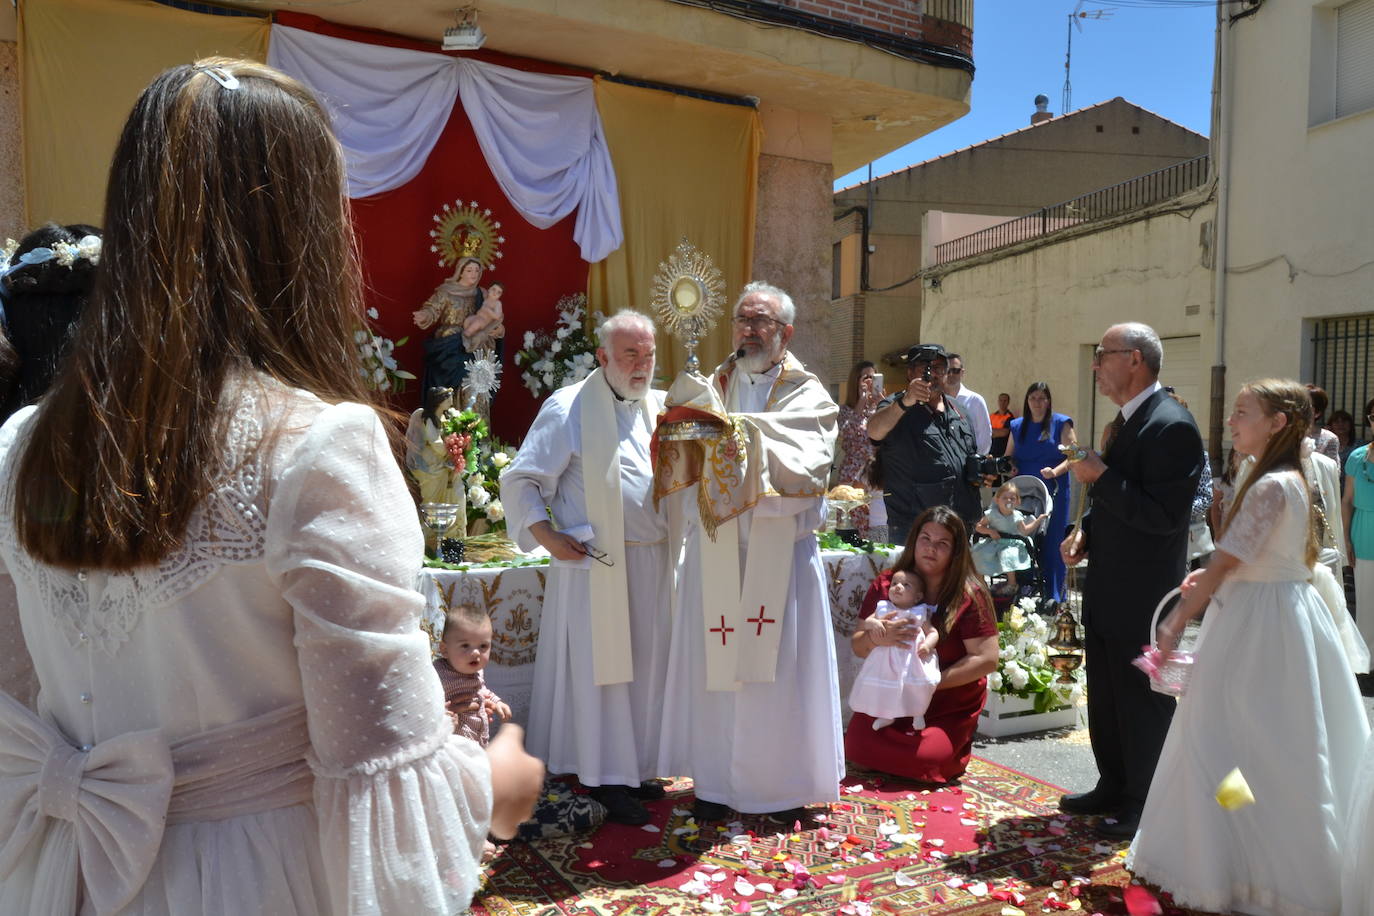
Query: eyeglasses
point(757, 322)
point(954, 372)
point(1099, 352)
point(595, 553)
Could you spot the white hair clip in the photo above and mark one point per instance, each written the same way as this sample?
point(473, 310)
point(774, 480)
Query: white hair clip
point(221, 76)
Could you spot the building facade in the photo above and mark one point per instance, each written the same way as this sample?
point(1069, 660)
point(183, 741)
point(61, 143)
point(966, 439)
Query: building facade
point(1051, 160)
point(1264, 268)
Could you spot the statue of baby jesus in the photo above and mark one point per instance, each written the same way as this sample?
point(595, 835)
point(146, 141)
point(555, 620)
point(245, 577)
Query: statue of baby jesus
point(483, 327)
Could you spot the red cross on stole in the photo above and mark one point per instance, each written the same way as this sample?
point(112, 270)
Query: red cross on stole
point(722, 629)
point(760, 620)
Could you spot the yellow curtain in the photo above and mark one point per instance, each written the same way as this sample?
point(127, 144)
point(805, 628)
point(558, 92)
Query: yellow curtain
point(83, 65)
point(685, 167)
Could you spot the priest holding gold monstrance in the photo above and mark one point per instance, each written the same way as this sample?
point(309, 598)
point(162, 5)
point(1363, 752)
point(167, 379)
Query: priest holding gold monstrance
point(743, 458)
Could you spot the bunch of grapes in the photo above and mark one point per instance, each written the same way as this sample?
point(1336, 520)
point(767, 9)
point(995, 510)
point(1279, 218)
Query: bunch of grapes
point(457, 445)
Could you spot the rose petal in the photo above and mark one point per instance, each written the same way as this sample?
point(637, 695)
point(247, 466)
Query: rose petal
point(666, 863)
point(1140, 902)
point(902, 879)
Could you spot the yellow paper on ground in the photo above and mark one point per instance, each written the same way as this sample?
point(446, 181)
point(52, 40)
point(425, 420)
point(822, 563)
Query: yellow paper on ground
point(1234, 792)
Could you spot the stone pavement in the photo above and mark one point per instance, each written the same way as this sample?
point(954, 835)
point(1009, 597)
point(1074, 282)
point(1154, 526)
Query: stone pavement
point(1061, 756)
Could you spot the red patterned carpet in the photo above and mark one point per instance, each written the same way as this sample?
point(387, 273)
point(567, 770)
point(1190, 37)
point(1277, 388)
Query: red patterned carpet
point(995, 845)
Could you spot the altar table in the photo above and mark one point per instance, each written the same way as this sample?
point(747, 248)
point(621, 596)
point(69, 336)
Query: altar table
point(514, 597)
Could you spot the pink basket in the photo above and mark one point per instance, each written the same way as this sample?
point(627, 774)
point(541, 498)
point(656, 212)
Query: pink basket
point(1168, 675)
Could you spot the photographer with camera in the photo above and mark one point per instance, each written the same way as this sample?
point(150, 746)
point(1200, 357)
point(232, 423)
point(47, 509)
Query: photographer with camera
point(925, 451)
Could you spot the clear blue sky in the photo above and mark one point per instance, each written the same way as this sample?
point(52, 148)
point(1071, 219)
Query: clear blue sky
point(1155, 53)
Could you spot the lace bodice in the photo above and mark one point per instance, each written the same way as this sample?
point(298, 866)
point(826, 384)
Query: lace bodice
point(1269, 533)
point(103, 609)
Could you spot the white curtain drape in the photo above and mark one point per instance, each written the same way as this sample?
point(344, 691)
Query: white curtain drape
point(540, 134)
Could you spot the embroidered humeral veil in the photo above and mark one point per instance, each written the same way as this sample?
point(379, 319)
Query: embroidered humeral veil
point(783, 451)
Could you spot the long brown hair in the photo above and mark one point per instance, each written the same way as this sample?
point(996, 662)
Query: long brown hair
point(852, 397)
point(1283, 451)
point(227, 247)
point(961, 583)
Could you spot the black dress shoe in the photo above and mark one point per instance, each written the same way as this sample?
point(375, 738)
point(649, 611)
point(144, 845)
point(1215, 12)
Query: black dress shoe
point(621, 807)
point(1122, 827)
point(648, 790)
point(787, 818)
point(711, 811)
point(1093, 802)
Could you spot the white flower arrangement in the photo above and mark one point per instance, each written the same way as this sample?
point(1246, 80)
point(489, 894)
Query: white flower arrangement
point(1023, 668)
point(483, 482)
point(379, 368)
point(567, 354)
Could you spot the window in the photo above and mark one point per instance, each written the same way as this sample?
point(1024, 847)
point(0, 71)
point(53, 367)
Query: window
point(1342, 77)
point(1354, 57)
point(1343, 364)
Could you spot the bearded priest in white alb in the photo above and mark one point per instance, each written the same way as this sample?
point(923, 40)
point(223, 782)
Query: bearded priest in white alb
point(753, 712)
point(603, 637)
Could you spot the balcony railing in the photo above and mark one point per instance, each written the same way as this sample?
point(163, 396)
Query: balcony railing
point(960, 11)
point(1142, 191)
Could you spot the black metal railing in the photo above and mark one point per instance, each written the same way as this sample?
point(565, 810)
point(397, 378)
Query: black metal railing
point(1343, 364)
point(960, 11)
point(1141, 191)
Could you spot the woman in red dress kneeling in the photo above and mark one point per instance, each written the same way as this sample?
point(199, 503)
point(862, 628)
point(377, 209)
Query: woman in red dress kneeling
point(938, 551)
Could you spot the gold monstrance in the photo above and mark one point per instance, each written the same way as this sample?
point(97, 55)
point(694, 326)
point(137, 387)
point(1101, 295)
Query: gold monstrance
point(688, 294)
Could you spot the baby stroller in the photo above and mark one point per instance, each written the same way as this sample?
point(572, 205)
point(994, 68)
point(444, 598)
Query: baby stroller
point(1030, 579)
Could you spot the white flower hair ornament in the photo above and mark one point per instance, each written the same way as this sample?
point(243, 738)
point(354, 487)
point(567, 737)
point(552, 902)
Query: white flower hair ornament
point(65, 254)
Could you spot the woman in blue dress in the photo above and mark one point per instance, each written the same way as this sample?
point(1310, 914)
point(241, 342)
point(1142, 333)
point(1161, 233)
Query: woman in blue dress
point(1034, 444)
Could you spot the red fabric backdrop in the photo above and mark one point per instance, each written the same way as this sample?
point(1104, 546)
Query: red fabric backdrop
point(538, 266)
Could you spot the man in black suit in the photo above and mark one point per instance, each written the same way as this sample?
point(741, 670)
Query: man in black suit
point(1142, 489)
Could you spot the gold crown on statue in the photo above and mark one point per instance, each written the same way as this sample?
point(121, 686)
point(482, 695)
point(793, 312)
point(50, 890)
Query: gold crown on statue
point(466, 231)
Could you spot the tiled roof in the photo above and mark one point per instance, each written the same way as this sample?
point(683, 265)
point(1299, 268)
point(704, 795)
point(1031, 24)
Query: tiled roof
point(1057, 119)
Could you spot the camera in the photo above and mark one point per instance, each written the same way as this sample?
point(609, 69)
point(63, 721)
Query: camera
point(977, 467)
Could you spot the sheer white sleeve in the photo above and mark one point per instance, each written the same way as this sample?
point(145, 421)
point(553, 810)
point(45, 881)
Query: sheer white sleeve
point(403, 804)
point(17, 677)
point(1256, 521)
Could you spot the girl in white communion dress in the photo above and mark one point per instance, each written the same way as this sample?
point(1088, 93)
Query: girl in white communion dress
point(1271, 694)
point(212, 553)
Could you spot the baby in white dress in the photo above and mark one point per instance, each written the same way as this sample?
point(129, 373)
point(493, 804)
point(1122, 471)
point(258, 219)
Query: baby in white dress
point(897, 681)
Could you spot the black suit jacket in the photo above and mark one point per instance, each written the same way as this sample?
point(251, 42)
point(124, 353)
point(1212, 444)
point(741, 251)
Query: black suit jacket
point(1138, 527)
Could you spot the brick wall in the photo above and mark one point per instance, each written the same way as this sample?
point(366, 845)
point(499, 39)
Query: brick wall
point(907, 18)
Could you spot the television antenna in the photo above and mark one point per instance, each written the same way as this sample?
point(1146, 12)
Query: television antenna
point(1076, 22)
